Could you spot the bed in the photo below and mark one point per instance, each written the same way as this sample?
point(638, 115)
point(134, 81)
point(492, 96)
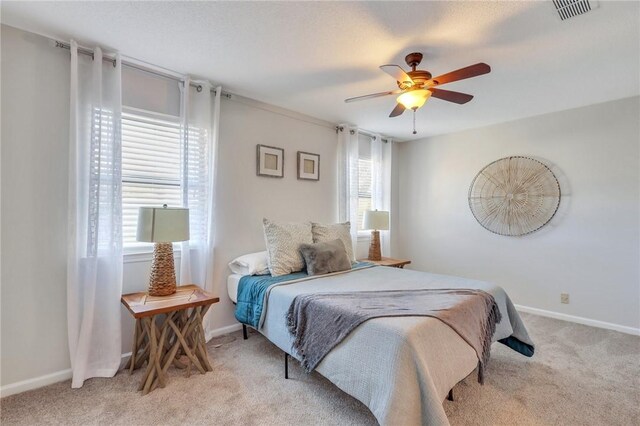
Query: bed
point(401, 368)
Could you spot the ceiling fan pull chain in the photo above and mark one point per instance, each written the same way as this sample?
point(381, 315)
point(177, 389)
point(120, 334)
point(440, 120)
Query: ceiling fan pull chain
point(414, 122)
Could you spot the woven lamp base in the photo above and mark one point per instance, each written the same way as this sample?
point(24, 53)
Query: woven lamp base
point(374, 247)
point(162, 281)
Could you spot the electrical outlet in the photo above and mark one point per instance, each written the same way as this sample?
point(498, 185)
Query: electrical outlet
point(564, 298)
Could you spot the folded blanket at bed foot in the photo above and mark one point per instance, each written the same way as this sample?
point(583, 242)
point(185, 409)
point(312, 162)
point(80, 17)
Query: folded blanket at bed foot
point(320, 321)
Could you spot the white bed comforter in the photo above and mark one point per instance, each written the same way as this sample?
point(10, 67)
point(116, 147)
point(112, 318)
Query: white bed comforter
point(400, 367)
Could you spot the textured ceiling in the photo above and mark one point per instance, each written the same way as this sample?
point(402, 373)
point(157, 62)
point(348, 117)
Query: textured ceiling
point(310, 56)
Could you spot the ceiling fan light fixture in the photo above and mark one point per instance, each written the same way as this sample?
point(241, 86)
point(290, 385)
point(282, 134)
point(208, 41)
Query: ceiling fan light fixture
point(414, 99)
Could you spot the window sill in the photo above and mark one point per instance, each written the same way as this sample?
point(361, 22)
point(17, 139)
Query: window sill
point(144, 255)
point(364, 236)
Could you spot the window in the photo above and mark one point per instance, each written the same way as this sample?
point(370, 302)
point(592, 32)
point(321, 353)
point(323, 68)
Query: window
point(159, 164)
point(364, 179)
point(150, 167)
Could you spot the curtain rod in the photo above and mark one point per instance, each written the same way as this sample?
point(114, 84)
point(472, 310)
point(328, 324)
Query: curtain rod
point(362, 132)
point(228, 95)
point(89, 52)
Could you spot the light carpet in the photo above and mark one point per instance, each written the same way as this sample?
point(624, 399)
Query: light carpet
point(579, 376)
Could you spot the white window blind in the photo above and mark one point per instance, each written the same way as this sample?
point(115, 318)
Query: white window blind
point(197, 181)
point(364, 178)
point(151, 166)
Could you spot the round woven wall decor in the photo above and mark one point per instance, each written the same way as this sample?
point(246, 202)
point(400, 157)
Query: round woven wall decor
point(514, 196)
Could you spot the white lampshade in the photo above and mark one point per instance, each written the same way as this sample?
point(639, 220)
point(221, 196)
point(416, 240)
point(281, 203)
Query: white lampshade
point(376, 219)
point(163, 224)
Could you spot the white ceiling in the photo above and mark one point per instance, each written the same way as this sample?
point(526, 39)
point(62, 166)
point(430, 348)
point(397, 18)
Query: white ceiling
point(310, 56)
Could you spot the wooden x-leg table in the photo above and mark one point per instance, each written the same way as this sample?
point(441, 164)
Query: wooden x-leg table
point(167, 328)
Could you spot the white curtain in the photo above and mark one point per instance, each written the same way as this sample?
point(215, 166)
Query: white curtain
point(348, 178)
point(381, 184)
point(200, 125)
point(94, 263)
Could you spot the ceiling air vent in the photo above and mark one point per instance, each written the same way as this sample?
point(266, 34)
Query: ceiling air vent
point(570, 8)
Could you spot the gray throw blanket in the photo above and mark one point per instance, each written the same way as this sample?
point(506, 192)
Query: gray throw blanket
point(320, 321)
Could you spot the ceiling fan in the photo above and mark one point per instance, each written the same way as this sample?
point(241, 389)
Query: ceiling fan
point(416, 86)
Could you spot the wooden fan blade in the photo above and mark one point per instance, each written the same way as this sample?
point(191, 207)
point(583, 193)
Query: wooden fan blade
point(448, 95)
point(398, 73)
point(462, 73)
point(398, 110)
point(373, 95)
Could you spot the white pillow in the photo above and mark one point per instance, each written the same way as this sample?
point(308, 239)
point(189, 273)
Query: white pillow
point(283, 242)
point(251, 264)
point(336, 231)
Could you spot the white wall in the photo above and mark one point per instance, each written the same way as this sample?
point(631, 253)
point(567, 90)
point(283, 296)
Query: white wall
point(590, 249)
point(35, 118)
point(244, 199)
point(35, 131)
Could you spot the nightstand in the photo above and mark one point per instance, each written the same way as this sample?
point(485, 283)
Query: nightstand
point(166, 328)
point(388, 261)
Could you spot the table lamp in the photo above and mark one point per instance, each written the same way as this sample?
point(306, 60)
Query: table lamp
point(377, 221)
point(162, 226)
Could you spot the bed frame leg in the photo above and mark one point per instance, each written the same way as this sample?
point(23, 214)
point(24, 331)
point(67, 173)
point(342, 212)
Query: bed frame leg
point(244, 332)
point(286, 365)
point(450, 396)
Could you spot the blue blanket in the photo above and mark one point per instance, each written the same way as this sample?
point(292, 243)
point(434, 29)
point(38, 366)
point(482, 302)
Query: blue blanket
point(252, 290)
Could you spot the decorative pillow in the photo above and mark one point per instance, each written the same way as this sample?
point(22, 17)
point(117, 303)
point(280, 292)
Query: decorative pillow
point(323, 233)
point(283, 245)
point(251, 264)
point(326, 257)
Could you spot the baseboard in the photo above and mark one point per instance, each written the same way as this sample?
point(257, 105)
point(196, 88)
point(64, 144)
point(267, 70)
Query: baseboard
point(222, 330)
point(579, 320)
point(60, 376)
point(36, 382)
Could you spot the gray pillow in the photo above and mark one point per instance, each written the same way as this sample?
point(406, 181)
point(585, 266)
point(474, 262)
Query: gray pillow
point(326, 257)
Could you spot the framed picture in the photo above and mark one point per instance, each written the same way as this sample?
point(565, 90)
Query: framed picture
point(270, 161)
point(308, 166)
